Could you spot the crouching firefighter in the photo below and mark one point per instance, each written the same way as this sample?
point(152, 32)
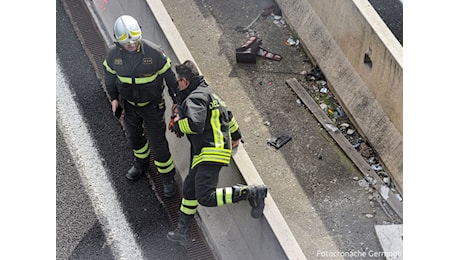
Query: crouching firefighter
point(135, 72)
point(212, 132)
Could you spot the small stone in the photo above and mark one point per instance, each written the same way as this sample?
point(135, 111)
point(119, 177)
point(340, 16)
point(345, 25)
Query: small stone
point(344, 125)
point(363, 183)
point(356, 178)
point(369, 215)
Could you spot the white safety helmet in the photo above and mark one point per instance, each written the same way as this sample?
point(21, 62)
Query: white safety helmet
point(126, 30)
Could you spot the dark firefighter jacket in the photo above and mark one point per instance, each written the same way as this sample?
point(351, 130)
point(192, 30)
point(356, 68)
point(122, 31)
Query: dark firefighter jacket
point(209, 126)
point(138, 77)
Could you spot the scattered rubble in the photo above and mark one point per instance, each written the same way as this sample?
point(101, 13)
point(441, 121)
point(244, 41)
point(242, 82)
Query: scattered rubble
point(317, 86)
point(278, 20)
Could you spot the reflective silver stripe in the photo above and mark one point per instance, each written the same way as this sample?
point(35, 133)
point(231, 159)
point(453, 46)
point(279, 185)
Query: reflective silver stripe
point(142, 104)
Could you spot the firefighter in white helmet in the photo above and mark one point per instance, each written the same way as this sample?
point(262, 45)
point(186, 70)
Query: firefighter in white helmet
point(136, 71)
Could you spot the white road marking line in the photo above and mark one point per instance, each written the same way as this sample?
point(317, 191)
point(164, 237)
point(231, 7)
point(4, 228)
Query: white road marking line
point(93, 174)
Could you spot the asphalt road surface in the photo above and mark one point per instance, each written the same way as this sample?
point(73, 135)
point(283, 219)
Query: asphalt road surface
point(99, 213)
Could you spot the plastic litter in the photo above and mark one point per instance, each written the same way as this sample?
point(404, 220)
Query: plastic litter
point(339, 112)
point(292, 42)
point(358, 144)
point(278, 20)
point(376, 167)
point(350, 131)
point(332, 127)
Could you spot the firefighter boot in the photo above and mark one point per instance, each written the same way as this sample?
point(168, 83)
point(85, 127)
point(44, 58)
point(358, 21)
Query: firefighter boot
point(140, 167)
point(255, 194)
point(169, 185)
point(182, 233)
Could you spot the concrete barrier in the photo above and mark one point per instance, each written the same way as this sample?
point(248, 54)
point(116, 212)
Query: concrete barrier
point(362, 61)
point(231, 231)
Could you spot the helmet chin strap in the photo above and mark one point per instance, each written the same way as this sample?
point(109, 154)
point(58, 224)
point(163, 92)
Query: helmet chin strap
point(118, 44)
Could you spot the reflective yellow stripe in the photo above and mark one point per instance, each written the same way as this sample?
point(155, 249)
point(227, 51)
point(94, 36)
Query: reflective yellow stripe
point(165, 167)
point(233, 125)
point(164, 164)
point(129, 80)
point(154, 76)
point(122, 37)
point(165, 67)
point(126, 80)
point(135, 33)
point(166, 170)
point(146, 79)
point(220, 196)
point(143, 149)
point(110, 70)
point(187, 211)
point(221, 159)
point(212, 150)
point(189, 207)
point(228, 195)
point(210, 154)
point(216, 129)
point(190, 203)
point(184, 126)
point(142, 104)
point(143, 152)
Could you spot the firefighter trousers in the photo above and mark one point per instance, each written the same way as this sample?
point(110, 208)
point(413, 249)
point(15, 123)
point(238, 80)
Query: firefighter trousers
point(151, 117)
point(200, 187)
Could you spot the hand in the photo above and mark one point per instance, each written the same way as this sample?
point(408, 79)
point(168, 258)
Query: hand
point(174, 110)
point(235, 143)
point(117, 110)
point(174, 118)
point(114, 105)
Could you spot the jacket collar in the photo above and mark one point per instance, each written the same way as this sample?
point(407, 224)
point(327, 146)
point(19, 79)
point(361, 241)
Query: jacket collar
point(195, 82)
